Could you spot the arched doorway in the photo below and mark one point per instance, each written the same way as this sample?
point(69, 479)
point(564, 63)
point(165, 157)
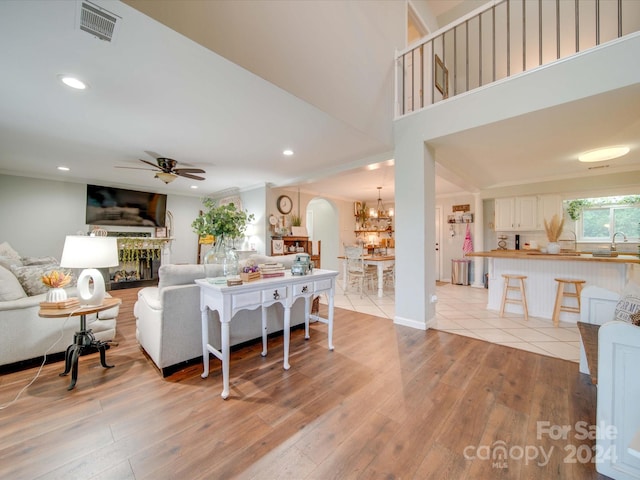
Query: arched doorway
point(322, 224)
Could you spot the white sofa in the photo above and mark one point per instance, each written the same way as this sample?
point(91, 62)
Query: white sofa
point(26, 335)
point(168, 319)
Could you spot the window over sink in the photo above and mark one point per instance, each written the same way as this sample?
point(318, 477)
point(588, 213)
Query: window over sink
point(599, 219)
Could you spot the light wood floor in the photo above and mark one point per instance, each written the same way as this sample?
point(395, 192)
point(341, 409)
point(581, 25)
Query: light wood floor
point(389, 403)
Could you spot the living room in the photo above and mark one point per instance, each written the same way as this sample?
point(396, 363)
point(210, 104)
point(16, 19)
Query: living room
point(141, 426)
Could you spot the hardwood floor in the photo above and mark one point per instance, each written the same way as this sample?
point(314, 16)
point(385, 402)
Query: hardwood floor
point(389, 403)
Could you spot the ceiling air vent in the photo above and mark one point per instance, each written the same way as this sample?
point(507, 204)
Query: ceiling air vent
point(97, 21)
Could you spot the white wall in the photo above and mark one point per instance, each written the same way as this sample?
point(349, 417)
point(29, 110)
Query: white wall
point(254, 202)
point(36, 215)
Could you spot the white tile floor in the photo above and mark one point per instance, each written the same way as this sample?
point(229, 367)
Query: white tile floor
point(462, 310)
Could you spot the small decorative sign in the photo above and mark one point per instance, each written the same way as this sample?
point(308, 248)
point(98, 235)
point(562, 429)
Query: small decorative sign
point(461, 208)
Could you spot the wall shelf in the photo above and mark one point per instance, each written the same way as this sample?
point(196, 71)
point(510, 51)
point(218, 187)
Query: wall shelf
point(358, 232)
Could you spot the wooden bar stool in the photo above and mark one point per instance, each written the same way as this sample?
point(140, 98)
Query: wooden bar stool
point(561, 293)
point(519, 287)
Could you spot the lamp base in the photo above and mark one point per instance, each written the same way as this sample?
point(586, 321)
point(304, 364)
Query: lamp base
point(85, 294)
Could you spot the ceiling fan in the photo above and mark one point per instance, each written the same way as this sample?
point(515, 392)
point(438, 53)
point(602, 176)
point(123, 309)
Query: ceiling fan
point(166, 170)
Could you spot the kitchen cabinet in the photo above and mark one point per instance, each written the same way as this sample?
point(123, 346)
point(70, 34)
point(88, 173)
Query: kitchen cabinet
point(548, 206)
point(516, 213)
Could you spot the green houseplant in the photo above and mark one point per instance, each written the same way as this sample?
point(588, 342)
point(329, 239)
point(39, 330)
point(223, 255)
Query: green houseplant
point(296, 220)
point(221, 221)
point(225, 223)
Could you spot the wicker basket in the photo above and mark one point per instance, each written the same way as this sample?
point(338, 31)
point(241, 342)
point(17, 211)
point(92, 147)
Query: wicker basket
point(589, 334)
point(249, 276)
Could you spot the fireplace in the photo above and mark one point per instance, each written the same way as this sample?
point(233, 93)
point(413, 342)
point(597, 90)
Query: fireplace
point(140, 258)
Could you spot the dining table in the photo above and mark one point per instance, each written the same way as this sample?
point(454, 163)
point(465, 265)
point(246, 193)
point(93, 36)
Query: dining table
point(379, 261)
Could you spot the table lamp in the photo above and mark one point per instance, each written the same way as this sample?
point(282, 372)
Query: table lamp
point(90, 253)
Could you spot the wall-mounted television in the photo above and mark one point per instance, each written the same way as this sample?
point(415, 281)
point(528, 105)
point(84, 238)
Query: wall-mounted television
point(118, 206)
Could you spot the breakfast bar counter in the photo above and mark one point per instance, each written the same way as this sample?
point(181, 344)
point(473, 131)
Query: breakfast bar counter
point(611, 273)
point(563, 256)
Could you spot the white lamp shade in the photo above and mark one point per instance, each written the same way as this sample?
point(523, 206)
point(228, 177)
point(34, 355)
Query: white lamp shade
point(89, 252)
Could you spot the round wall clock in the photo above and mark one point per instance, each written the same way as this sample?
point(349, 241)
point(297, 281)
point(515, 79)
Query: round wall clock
point(284, 204)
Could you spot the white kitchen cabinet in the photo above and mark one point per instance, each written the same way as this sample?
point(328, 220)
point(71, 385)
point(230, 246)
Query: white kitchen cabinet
point(504, 213)
point(548, 206)
point(516, 213)
point(526, 213)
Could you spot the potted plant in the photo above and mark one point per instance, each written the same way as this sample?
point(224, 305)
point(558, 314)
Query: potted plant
point(297, 230)
point(554, 230)
point(225, 223)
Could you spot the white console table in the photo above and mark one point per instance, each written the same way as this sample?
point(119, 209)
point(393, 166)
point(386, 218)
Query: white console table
point(261, 294)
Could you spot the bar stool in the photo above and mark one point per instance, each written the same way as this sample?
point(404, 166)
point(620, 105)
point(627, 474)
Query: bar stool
point(519, 287)
point(561, 293)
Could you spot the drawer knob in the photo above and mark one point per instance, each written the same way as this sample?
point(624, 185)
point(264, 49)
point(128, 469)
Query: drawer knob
point(276, 295)
point(304, 289)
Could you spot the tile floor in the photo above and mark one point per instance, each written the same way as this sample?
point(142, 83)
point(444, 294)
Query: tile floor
point(462, 310)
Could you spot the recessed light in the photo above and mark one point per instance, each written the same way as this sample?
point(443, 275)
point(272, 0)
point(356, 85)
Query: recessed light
point(73, 82)
point(195, 187)
point(288, 152)
point(63, 169)
point(602, 154)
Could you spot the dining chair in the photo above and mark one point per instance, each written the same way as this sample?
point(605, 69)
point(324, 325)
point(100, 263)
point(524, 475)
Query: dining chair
point(357, 272)
point(389, 275)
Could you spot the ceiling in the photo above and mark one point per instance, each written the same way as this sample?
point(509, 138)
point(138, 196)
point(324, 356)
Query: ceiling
point(323, 95)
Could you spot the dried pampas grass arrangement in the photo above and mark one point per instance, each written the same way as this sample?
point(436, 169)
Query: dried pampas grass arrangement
point(554, 228)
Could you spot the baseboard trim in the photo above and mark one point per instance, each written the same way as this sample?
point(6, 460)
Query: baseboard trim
point(407, 322)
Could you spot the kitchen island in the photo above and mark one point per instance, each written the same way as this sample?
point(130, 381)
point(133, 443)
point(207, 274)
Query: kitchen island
point(611, 273)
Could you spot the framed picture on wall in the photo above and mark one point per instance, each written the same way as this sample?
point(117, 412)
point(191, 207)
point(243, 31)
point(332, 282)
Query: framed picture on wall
point(441, 77)
point(277, 246)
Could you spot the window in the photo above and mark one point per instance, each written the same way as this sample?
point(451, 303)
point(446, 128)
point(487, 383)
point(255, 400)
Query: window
point(600, 218)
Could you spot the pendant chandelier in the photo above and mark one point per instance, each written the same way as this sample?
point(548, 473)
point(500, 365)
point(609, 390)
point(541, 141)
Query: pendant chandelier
point(380, 211)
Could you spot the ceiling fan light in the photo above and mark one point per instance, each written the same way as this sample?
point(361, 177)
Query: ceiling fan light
point(602, 154)
point(166, 177)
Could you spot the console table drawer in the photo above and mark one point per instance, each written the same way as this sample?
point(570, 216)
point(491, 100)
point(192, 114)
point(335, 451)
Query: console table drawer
point(240, 300)
point(302, 288)
point(321, 285)
point(277, 293)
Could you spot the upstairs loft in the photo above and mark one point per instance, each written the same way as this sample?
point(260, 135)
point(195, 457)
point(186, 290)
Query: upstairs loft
point(502, 39)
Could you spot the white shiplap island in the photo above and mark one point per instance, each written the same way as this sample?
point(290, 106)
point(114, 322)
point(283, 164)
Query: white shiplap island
point(611, 273)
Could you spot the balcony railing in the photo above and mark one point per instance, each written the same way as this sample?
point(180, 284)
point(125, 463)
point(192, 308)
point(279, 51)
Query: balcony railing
point(504, 38)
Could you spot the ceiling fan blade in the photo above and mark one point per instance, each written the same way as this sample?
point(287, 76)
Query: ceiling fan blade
point(153, 155)
point(188, 170)
point(149, 163)
point(139, 168)
point(188, 175)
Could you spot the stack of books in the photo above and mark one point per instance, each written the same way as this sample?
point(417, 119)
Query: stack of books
point(269, 270)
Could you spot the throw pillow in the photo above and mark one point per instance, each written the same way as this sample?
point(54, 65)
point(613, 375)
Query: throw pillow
point(635, 319)
point(30, 277)
point(8, 262)
point(39, 260)
point(7, 250)
point(10, 288)
point(628, 304)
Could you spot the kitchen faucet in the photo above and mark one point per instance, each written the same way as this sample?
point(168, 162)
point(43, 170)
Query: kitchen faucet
point(613, 240)
point(575, 240)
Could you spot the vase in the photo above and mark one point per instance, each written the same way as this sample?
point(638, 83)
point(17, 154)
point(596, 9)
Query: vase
point(553, 248)
point(56, 295)
point(221, 260)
